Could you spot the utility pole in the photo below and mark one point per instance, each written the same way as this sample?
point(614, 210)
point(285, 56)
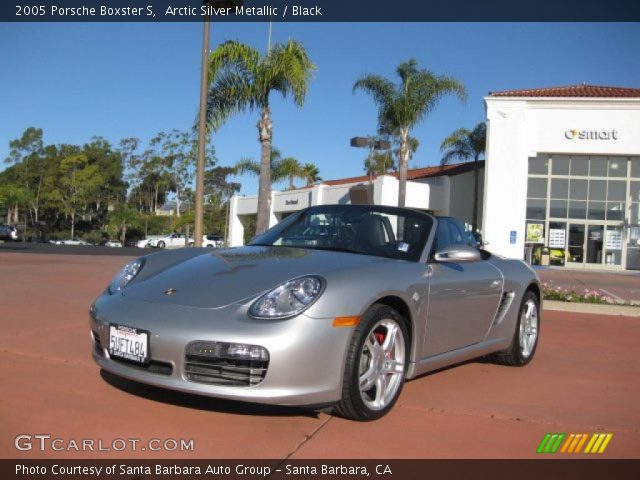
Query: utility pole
point(201, 136)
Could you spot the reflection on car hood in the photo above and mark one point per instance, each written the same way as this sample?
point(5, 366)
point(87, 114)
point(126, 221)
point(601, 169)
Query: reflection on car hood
point(220, 278)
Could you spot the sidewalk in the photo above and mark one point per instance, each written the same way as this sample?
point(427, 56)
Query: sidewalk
point(624, 285)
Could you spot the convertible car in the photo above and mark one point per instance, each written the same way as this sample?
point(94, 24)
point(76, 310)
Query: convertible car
point(335, 305)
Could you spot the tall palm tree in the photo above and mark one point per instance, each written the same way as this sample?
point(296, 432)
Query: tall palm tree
point(463, 145)
point(240, 78)
point(403, 106)
point(310, 174)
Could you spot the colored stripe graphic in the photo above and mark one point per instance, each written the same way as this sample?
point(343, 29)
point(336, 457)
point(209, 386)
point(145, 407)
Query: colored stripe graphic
point(551, 442)
point(573, 443)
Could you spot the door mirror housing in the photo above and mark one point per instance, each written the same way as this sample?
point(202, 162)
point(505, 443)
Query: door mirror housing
point(457, 254)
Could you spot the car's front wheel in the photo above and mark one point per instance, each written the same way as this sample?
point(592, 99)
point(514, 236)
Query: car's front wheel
point(161, 244)
point(525, 338)
point(376, 365)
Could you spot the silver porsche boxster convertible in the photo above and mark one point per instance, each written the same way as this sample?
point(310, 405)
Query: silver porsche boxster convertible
point(335, 305)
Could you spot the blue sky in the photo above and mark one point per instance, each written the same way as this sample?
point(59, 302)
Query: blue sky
point(117, 80)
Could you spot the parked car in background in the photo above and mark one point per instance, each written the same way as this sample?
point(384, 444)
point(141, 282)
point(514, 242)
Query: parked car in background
point(72, 241)
point(113, 244)
point(212, 241)
point(144, 243)
point(173, 240)
point(8, 233)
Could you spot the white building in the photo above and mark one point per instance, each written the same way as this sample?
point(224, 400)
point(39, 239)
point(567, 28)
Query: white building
point(562, 180)
point(563, 172)
point(441, 190)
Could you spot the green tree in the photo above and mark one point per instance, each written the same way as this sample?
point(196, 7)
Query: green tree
point(75, 186)
point(122, 218)
point(310, 173)
point(463, 145)
point(242, 78)
point(401, 107)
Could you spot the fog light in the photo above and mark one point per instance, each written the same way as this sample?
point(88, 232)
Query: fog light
point(239, 351)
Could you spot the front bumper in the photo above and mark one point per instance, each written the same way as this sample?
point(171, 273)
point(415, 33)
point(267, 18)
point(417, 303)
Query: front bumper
point(307, 355)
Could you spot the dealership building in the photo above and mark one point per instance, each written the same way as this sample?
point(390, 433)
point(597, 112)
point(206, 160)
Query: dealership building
point(560, 184)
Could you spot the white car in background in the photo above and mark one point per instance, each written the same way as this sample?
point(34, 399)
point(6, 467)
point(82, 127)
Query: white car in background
point(173, 240)
point(212, 241)
point(113, 244)
point(145, 241)
point(72, 241)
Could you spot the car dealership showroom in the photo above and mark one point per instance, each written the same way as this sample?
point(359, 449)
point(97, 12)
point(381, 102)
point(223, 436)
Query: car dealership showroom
point(560, 184)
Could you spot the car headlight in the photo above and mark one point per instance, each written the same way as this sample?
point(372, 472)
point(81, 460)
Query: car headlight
point(124, 276)
point(288, 299)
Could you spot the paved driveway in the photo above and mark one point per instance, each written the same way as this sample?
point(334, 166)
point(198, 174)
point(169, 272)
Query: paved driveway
point(585, 379)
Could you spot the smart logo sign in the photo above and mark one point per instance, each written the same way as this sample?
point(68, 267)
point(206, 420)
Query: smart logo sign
point(574, 134)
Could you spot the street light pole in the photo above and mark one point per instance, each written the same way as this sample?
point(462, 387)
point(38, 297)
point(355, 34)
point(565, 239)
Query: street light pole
point(201, 136)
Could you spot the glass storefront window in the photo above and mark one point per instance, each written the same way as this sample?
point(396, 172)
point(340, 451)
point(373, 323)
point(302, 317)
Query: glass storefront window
point(618, 167)
point(539, 165)
point(615, 210)
point(558, 208)
point(536, 209)
point(634, 216)
point(579, 166)
point(635, 167)
point(578, 189)
point(537, 187)
point(634, 191)
point(581, 203)
point(616, 190)
point(613, 246)
point(598, 167)
point(560, 165)
point(594, 244)
point(559, 187)
point(596, 211)
point(577, 210)
point(598, 190)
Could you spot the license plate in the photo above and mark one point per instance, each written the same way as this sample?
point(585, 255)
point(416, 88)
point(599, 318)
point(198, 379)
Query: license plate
point(129, 343)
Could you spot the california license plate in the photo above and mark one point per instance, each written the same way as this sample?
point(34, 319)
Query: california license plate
point(129, 343)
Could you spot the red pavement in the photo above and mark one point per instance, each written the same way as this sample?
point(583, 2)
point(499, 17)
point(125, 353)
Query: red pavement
point(585, 378)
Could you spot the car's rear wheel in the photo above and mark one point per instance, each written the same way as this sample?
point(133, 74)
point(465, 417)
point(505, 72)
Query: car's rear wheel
point(376, 365)
point(525, 338)
point(161, 244)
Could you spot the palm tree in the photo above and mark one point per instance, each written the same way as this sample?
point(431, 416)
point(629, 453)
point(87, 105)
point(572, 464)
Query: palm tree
point(310, 174)
point(289, 168)
point(252, 167)
point(242, 78)
point(463, 145)
point(403, 106)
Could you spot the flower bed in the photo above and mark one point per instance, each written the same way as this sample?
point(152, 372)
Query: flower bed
point(561, 294)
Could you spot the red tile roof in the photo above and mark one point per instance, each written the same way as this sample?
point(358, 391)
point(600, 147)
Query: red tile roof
point(581, 90)
point(413, 174)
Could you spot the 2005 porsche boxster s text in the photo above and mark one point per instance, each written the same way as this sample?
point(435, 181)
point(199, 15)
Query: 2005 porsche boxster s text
point(336, 304)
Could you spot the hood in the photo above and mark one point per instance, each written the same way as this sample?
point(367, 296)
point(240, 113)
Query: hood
point(220, 278)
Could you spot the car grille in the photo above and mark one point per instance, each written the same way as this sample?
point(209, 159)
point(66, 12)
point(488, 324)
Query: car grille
point(216, 370)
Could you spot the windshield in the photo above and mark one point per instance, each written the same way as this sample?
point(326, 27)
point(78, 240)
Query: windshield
point(368, 230)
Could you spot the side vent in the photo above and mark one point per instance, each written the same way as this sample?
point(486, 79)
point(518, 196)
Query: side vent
point(505, 303)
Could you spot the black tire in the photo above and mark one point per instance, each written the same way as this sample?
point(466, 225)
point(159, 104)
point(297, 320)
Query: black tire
point(515, 355)
point(352, 404)
point(191, 244)
point(161, 244)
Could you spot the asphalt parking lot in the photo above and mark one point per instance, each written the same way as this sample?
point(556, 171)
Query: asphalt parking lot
point(585, 379)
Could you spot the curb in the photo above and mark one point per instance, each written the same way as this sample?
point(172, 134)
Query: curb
point(597, 309)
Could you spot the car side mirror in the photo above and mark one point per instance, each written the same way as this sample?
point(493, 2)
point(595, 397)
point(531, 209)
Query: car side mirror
point(457, 254)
